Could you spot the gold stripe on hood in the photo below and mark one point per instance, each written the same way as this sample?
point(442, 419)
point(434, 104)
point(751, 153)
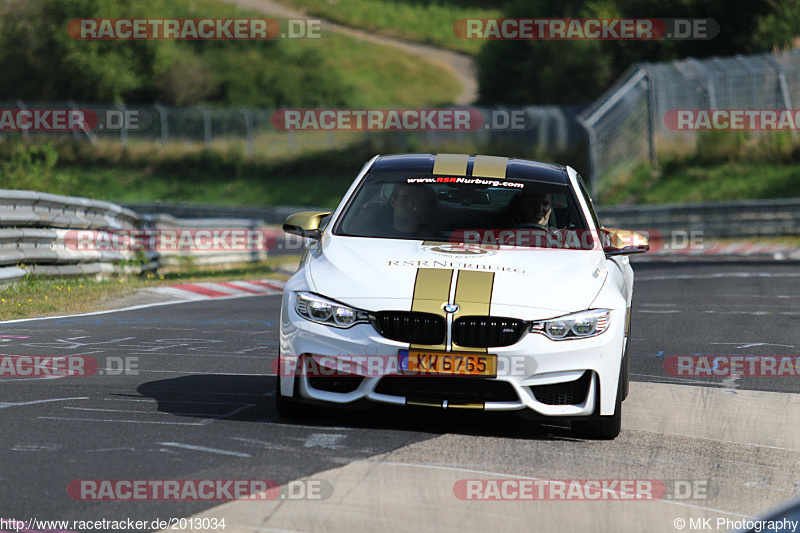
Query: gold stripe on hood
point(473, 297)
point(431, 292)
point(451, 164)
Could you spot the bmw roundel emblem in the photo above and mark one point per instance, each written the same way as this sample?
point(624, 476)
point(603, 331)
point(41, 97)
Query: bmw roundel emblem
point(451, 308)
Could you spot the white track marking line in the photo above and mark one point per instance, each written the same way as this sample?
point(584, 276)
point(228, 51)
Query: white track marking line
point(203, 423)
point(203, 449)
point(4, 405)
point(333, 428)
point(324, 440)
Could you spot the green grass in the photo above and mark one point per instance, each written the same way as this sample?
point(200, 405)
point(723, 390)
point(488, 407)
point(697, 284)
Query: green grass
point(379, 76)
point(375, 75)
point(722, 166)
point(735, 180)
point(425, 21)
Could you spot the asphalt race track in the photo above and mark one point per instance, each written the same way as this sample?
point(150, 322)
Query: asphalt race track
point(184, 391)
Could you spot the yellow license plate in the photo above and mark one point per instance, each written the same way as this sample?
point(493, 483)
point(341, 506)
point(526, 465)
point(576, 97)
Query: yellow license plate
point(448, 363)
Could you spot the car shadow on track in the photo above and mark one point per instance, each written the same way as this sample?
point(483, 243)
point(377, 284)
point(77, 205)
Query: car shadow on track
point(252, 399)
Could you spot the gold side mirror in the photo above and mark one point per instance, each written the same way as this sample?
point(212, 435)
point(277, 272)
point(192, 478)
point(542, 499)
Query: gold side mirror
point(623, 242)
point(305, 224)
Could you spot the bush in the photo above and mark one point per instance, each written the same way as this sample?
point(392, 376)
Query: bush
point(41, 62)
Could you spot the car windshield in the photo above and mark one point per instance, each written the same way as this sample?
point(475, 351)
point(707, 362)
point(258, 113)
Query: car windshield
point(402, 206)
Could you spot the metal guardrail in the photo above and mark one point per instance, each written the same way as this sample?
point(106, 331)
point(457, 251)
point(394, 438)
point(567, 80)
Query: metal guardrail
point(35, 237)
point(170, 258)
point(740, 219)
point(35, 209)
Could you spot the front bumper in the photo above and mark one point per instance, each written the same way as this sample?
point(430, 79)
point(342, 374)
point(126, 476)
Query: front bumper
point(527, 367)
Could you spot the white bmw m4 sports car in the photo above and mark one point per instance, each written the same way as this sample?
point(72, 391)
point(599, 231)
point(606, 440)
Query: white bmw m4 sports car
point(461, 282)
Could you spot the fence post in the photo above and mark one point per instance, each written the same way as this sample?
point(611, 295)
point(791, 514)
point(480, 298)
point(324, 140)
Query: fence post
point(594, 162)
point(123, 131)
point(543, 122)
point(207, 133)
point(561, 127)
point(651, 116)
point(21, 105)
point(89, 133)
point(162, 117)
point(784, 86)
point(248, 129)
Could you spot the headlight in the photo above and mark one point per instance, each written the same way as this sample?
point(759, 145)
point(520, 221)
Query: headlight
point(574, 326)
point(323, 311)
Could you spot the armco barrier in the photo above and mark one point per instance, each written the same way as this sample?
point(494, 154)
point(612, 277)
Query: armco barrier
point(33, 227)
point(204, 257)
point(747, 219)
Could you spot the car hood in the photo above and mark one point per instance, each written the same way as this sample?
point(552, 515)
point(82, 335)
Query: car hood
point(378, 274)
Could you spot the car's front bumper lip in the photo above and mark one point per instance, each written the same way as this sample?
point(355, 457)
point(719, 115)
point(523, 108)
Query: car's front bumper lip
point(366, 391)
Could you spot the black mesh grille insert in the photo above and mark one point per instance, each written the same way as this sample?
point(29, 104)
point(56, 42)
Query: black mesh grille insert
point(569, 393)
point(452, 389)
point(487, 331)
point(409, 326)
point(340, 384)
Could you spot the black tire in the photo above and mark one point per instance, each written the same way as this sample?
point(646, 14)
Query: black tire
point(604, 427)
point(286, 406)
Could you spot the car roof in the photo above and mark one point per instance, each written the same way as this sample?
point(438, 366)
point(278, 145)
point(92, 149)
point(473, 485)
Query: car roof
point(515, 168)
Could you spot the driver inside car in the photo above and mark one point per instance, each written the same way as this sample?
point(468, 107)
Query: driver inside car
point(530, 208)
point(413, 207)
point(536, 207)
